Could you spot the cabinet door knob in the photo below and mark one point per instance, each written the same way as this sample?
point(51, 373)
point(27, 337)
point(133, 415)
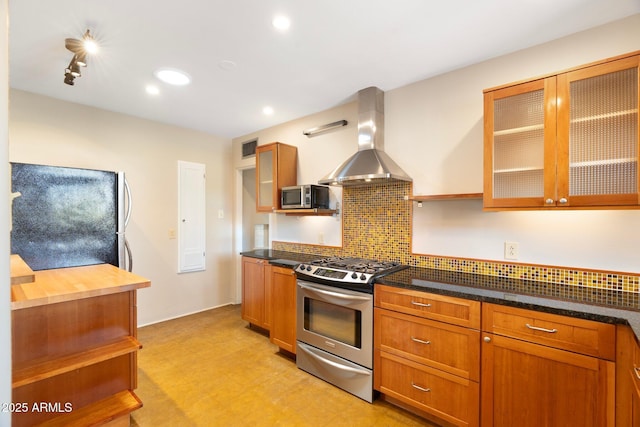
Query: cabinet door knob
point(487, 339)
point(549, 201)
point(563, 200)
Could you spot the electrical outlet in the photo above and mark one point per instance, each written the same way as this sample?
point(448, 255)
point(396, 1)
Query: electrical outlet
point(511, 250)
point(172, 233)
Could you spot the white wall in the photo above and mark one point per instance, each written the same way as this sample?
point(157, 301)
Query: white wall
point(47, 131)
point(434, 127)
point(317, 156)
point(434, 131)
point(5, 290)
point(443, 116)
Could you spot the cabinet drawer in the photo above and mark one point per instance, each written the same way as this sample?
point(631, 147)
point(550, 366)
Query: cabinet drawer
point(449, 397)
point(452, 310)
point(563, 332)
point(453, 349)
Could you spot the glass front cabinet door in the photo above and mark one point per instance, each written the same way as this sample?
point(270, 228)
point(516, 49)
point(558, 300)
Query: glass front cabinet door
point(568, 140)
point(276, 167)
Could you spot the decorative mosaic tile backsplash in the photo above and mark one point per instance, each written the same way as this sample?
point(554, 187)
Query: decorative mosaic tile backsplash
point(377, 225)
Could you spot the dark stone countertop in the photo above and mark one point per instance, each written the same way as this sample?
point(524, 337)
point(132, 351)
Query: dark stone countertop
point(280, 258)
point(608, 306)
point(602, 305)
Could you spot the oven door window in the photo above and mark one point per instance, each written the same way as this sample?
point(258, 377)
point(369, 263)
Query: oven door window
point(333, 321)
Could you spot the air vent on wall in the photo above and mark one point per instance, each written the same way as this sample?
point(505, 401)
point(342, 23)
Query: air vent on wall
point(249, 148)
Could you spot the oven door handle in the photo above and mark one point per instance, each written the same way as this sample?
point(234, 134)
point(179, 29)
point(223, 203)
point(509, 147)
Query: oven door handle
point(333, 294)
point(334, 364)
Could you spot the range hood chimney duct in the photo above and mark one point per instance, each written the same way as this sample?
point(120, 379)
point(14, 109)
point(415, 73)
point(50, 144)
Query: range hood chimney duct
point(370, 164)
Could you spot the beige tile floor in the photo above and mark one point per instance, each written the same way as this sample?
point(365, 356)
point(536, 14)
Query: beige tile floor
point(211, 369)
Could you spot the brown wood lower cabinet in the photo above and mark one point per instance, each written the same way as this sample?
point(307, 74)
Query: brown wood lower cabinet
point(74, 353)
point(528, 384)
point(426, 364)
point(459, 362)
point(255, 291)
point(283, 308)
point(627, 378)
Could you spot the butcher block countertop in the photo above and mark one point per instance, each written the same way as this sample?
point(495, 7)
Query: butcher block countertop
point(20, 271)
point(68, 284)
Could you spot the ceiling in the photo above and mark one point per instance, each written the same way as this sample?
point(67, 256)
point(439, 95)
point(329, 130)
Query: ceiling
point(332, 49)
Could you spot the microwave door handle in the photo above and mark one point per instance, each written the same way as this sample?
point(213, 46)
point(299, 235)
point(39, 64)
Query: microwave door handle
point(334, 364)
point(333, 294)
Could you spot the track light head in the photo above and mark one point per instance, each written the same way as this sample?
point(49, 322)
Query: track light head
point(81, 59)
point(75, 70)
point(69, 79)
point(80, 49)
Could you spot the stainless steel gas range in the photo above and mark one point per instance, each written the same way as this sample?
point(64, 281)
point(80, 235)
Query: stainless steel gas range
point(335, 320)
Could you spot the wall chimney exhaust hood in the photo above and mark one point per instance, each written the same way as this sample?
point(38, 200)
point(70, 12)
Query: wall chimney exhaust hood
point(370, 164)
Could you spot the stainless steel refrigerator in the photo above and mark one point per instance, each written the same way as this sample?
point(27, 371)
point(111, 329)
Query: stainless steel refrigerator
point(68, 217)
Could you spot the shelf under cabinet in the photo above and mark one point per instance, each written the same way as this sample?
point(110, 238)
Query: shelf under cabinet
point(299, 212)
point(436, 197)
point(39, 370)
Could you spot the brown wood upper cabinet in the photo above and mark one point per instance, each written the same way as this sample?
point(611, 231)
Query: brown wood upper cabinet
point(276, 167)
point(567, 140)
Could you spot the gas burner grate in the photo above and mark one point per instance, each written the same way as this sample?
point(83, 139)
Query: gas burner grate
point(355, 264)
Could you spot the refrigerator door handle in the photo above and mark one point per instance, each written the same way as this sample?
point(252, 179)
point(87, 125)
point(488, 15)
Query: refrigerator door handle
point(129, 201)
point(129, 263)
point(125, 258)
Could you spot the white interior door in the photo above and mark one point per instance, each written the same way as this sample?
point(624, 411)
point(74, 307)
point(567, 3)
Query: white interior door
point(191, 217)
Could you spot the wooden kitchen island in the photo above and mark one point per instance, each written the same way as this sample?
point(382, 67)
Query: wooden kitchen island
point(74, 345)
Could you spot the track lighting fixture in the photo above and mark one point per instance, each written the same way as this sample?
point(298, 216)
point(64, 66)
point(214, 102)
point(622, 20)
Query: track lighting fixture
point(80, 49)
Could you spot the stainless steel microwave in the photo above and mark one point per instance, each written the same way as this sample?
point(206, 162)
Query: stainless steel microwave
point(305, 197)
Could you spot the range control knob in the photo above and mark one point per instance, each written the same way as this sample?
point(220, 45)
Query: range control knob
point(301, 267)
point(309, 268)
point(354, 275)
point(363, 277)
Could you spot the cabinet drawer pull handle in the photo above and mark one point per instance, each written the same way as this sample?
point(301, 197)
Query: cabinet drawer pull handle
point(536, 328)
point(636, 371)
point(563, 200)
point(426, 390)
point(420, 304)
point(420, 341)
point(549, 201)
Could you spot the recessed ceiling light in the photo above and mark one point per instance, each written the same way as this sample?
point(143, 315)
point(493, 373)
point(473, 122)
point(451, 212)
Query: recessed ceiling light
point(173, 76)
point(281, 22)
point(227, 65)
point(152, 90)
point(267, 110)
